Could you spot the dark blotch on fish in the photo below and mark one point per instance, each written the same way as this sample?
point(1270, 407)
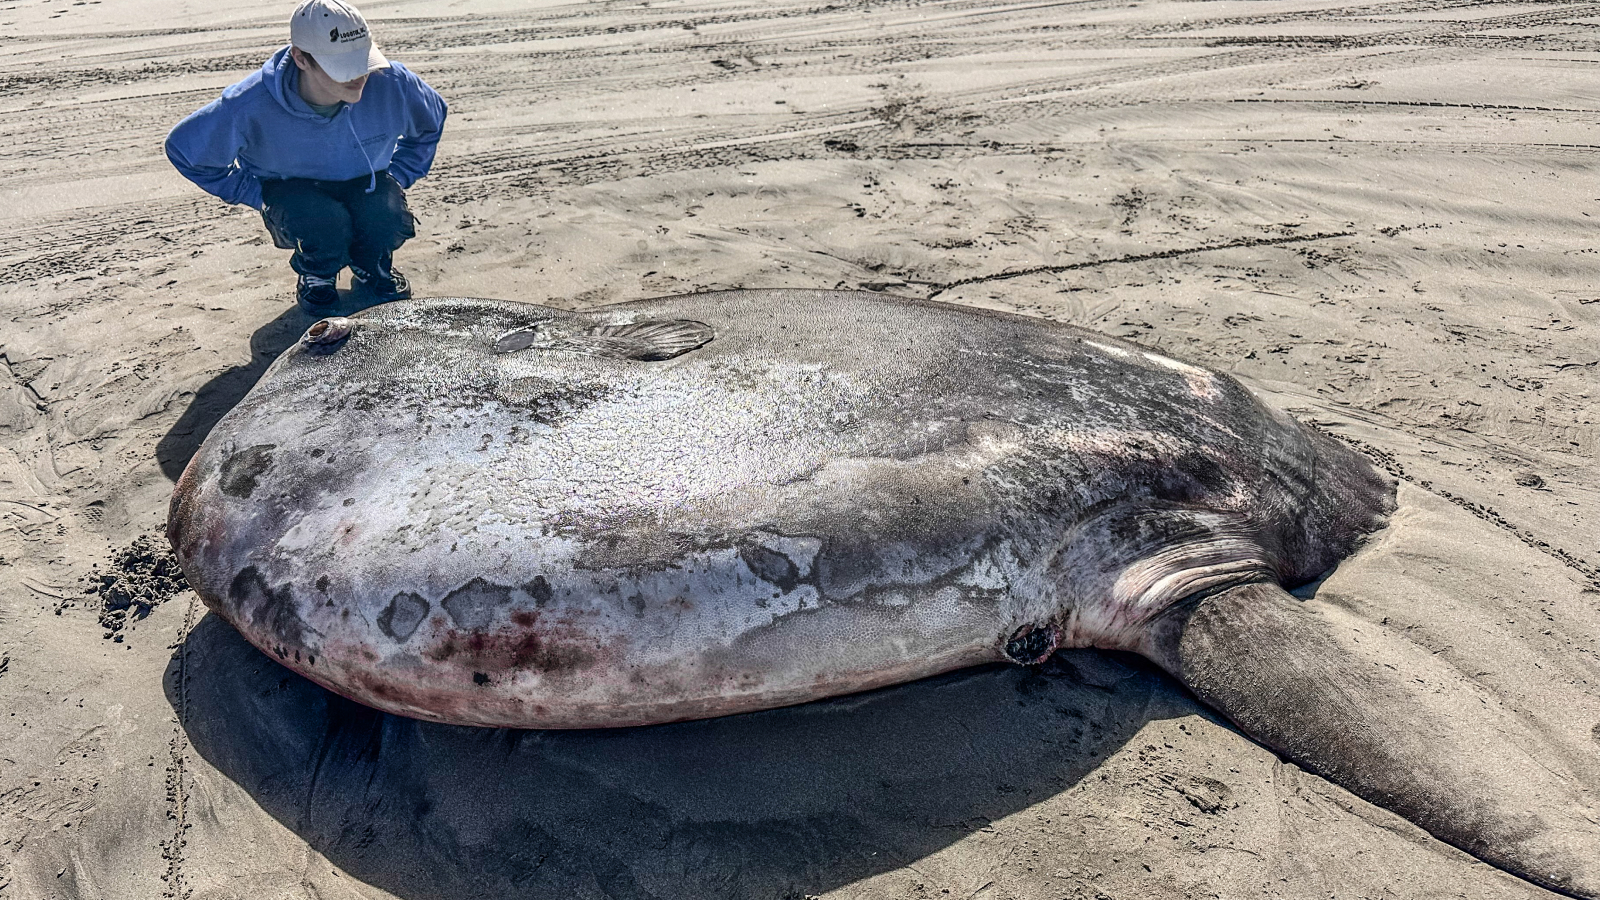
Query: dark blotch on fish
point(240, 473)
point(546, 402)
point(770, 565)
point(524, 646)
point(399, 620)
point(267, 606)
point(539, 590)
point(473, 605)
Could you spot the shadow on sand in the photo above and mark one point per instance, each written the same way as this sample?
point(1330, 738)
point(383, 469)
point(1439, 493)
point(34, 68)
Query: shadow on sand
point(222, 393)
point(775, 804)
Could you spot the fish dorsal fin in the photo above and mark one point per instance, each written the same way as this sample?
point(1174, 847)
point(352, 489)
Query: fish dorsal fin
point(651, 341)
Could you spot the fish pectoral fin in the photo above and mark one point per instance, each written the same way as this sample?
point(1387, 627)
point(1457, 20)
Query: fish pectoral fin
point(1382, 717)
point(650, 341)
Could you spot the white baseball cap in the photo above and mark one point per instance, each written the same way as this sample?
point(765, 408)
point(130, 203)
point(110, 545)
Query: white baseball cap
point(336, 35)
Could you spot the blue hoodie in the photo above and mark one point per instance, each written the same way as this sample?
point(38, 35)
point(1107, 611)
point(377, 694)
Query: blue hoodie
point(262, 129)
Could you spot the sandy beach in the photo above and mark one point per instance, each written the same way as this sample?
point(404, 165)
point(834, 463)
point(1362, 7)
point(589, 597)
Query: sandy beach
point(1376, 215)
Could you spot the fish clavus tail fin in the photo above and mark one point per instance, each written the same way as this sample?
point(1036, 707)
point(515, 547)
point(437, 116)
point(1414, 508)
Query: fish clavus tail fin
point(1390, 722)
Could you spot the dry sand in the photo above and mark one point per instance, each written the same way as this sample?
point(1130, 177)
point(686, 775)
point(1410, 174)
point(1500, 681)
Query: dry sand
point(1378, 215)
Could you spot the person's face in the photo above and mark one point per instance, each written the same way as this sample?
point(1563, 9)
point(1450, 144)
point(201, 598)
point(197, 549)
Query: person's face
point(319, 87)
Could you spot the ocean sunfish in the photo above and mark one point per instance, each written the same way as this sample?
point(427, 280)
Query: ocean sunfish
point(501, 514)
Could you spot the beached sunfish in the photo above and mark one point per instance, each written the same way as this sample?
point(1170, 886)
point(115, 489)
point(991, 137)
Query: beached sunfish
point(495, 513)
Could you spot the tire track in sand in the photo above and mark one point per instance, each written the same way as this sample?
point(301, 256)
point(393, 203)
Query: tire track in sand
point(84, 239)
point(172, 850)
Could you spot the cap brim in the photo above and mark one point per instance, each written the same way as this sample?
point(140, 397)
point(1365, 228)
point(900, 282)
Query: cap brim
point(350, 66)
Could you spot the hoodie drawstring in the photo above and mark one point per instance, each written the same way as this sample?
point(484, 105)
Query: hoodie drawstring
point(372, 183)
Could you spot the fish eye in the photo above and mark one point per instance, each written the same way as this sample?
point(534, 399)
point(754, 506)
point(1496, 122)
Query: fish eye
point(329, 331)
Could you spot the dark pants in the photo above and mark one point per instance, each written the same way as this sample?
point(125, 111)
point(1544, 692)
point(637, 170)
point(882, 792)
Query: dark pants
point(333, 224)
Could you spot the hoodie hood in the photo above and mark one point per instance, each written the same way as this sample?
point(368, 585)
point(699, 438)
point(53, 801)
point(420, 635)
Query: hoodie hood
point(281, 78)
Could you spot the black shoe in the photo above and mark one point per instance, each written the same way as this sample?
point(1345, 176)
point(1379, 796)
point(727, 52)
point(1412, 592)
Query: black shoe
point(382, 286)
point(316, 295)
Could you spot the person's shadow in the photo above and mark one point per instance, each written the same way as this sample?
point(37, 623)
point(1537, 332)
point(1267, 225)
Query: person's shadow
point(776, 804)
point(222, 393)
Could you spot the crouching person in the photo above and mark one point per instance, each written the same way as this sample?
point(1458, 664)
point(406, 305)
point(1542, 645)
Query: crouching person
point(324, 139)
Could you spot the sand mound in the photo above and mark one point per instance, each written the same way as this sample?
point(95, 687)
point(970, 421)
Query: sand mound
point(141, 576)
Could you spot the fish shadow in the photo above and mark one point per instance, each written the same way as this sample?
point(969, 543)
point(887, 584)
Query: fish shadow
point(782, 803)
point(223, 392)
